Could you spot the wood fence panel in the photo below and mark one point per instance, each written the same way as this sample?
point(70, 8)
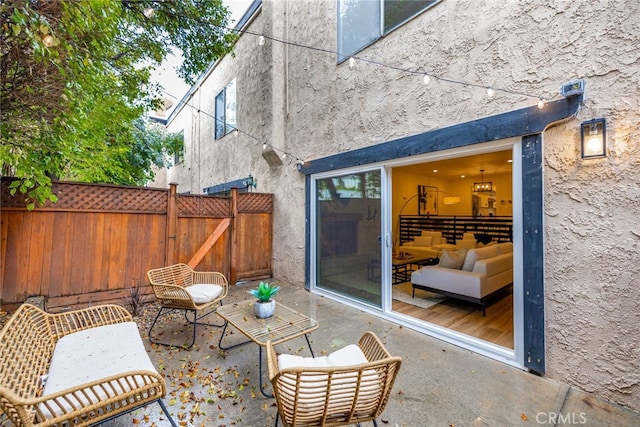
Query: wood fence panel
point(254, 258)
point(11, 229)
point(254, 223)
point(98, 241)
point(193, 233)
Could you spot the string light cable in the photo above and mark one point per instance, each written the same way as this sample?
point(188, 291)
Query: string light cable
point(352, 62)
point(298, 162)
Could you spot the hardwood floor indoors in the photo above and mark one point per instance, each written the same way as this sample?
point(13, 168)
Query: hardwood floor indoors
point(496, 327)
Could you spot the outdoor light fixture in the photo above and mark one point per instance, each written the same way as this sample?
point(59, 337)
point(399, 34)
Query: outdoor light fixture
point(594, 139)
point(250, 182)
point(483, 186)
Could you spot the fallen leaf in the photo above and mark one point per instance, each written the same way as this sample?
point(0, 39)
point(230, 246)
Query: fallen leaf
point(524, 417)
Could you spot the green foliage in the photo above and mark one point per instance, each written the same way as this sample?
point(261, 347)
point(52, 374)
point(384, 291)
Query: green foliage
point(265, 291)
point(75, 84)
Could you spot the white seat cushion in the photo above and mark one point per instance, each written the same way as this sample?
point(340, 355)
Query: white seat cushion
point(310, 392)
point(347, 356)
point(96, 353)
point(203, 293)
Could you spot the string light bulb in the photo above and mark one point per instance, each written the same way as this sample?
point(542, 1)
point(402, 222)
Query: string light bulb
point(352, 64)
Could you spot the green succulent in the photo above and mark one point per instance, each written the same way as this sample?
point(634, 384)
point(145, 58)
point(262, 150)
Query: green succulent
point(265, 291)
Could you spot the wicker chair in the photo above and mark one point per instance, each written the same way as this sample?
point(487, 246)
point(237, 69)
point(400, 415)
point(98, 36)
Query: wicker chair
point(64, 370)
point(178, 287)
point(313, 392)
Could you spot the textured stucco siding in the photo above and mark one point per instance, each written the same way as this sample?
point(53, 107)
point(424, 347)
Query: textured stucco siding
point(303, 103)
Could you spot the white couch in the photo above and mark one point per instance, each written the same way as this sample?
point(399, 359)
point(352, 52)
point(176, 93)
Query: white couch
point(484, 273)
point(429, 244)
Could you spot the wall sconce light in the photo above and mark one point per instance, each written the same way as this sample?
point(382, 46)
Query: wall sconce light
point(451, 200)
point(250, 182)
point(593, 137)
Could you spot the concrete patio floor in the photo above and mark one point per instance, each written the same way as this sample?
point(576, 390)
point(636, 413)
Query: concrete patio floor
point(438, 384)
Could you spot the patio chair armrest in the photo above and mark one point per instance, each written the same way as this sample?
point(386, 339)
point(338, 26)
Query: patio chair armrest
point(272, 360)
point(110, 394)
point(166, 294)
point(87, 318)
point(372, 347)
point(210, 277)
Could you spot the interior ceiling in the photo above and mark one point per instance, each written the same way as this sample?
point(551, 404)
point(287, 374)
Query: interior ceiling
point(493, 164)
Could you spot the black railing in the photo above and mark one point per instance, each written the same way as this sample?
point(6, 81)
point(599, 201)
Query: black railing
point(500, 228)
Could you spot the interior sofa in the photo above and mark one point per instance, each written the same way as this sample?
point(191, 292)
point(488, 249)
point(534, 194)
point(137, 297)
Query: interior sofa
point(474, 275)
point(429, 244)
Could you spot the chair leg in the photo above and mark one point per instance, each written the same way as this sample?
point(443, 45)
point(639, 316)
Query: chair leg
point(193, 339)
point(200, 317)
point(166, 413)
point(277, 416)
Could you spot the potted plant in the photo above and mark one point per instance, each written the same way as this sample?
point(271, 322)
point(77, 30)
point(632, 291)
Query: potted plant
point(265, 305)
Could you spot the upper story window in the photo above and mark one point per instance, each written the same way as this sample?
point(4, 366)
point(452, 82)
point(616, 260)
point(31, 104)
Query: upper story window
point(361, 22)
point(225, 104)
point(178, 155)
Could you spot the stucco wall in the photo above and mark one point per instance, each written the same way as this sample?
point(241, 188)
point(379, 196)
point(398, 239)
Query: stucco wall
point(301, 102)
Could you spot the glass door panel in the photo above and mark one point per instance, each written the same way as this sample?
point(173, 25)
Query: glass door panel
point(348, 230)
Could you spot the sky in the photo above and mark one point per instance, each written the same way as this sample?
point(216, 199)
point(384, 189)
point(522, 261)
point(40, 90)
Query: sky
point(173, 86)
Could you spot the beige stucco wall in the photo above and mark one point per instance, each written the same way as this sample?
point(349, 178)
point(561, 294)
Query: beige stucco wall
point(300, 101)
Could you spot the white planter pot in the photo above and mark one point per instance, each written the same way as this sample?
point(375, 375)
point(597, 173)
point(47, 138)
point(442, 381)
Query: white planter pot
point(264, 310)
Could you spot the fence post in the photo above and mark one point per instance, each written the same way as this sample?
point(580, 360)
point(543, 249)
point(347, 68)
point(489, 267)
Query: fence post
point(172, 224)
point(233, 250)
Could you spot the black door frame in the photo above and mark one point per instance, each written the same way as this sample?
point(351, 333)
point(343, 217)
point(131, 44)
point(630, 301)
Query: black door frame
point(528, 123)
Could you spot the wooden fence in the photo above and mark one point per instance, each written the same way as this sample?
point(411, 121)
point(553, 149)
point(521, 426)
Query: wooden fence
point(97, 242)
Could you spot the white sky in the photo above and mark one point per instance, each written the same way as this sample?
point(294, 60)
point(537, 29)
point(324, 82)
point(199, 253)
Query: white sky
point(173, 86)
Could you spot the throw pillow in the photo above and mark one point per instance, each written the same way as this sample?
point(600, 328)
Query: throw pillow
point(452, 259)
point(436, 236)
point(482, 245)
point(422, 241)
point(465, 244)
point(477, 254)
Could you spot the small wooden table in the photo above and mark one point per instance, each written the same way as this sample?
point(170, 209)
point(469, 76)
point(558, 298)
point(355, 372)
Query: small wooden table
point(284, 325)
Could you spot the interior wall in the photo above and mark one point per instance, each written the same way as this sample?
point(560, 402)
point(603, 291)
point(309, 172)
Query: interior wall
point(405, 186)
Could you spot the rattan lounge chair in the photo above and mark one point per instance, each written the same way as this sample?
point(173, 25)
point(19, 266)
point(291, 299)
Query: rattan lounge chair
point(179, 287)
point(352, 385)
point(77, 368)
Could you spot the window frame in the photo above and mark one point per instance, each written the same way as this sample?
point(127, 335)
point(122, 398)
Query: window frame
point(222, 105)
point(380, 28)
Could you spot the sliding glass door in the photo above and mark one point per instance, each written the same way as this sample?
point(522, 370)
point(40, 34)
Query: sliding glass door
point(348, 230)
